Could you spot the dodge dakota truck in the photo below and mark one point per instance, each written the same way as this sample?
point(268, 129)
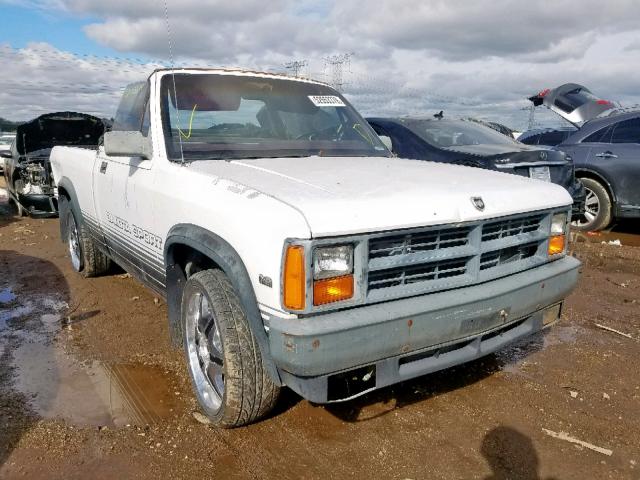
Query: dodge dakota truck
point(294, 250)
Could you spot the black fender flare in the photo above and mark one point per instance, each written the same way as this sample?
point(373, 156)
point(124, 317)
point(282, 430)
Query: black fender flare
point(225, 256)
point(66, 185)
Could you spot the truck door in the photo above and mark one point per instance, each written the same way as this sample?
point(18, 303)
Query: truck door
point(122, 201)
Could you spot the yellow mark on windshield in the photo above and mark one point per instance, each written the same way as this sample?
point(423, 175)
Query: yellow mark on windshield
point(187, 136)
point(363, 133)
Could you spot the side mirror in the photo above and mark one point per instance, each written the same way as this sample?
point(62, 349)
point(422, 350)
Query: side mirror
point(6, 154)
point(387, 142)
point(127, 144)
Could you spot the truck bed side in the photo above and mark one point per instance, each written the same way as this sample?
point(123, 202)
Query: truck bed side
point(73, 169)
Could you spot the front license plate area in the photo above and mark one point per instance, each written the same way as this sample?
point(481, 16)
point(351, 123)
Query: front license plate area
point(482, 323)
point(540, 173)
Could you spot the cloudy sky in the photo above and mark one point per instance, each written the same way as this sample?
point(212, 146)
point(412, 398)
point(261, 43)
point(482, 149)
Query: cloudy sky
point(469, 57)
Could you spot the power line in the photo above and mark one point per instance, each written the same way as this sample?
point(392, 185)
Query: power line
point(296, 66)
point(336, 64)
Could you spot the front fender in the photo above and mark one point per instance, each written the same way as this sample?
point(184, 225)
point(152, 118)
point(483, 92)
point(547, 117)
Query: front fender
point(228, 260)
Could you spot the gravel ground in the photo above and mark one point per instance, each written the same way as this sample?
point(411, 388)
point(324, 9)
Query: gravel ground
point(91, 388)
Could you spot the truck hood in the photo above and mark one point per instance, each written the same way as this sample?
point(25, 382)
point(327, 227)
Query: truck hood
point(345, 195)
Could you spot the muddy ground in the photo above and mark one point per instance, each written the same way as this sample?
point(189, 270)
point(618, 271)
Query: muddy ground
point(90, 388)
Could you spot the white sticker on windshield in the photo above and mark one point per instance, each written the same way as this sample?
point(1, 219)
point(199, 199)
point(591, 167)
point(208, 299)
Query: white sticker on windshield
point(326, 101)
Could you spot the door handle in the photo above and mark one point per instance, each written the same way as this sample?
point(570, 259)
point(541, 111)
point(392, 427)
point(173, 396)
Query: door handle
point(103, 167)
point(606, 154)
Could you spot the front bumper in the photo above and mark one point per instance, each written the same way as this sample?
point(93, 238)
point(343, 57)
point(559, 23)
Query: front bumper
point(39, 205)
point(398, 340)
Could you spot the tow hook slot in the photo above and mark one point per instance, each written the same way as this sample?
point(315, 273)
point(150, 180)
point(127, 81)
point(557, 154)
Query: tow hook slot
point(342, 386)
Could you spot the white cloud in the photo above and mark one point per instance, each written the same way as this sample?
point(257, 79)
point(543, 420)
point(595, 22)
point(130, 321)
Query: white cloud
point(468, 57)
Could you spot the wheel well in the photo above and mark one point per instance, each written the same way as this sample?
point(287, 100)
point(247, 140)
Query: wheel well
point(182, 261)
point(598, 178)
point(189, 259)
point(62, 192)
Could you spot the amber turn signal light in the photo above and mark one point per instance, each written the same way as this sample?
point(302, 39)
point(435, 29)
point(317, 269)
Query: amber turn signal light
point(332, 289)
point(294, 278)
point(556, 245)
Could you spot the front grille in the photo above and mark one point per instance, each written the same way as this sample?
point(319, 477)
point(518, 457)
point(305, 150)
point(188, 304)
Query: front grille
point(422, 260)
point(394, 277)
point(510, 227)
point(405, 243)
point(507, 255)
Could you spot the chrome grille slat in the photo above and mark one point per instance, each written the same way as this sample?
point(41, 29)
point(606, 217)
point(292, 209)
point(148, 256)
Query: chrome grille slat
point(430, 259)
point(403, 276)
point(403, 244)
point(510, 227)
point(507, 255)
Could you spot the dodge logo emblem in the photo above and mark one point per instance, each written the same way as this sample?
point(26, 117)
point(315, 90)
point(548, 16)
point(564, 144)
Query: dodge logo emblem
point(478, 203)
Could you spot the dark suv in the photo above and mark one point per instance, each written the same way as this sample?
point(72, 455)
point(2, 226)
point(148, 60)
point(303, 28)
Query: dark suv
point(470, 143)
point(605, 150)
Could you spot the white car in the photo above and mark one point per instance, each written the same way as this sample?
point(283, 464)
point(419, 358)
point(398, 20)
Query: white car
point(5, 145)
point(293, 249)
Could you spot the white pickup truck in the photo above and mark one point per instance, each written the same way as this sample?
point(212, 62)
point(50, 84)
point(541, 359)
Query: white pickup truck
point(293, 249)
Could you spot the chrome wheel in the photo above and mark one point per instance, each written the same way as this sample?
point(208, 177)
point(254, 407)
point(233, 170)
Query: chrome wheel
point(73, 239)
point(205, 351)
point(591, 210)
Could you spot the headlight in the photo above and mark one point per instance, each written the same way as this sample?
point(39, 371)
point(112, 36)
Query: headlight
point(559, 224)
point(557, 238)
point(331, 262)
point(332, 274)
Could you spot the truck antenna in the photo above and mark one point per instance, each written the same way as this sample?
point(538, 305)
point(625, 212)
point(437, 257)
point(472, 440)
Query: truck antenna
point(173, 78)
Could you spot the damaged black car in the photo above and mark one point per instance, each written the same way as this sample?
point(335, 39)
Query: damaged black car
point(470, 143)
point(27, 169)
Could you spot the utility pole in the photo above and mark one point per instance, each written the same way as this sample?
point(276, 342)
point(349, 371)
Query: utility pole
point(336, 63)
point(296, 66)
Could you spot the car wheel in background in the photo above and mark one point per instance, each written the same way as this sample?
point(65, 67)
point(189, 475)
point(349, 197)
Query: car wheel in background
point(18, 187)
point(597, 214)
point(223, 356)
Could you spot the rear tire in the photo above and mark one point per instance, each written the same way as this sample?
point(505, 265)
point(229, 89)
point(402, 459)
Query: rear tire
point(224, 359)
point(85, 256)
point(598, 207)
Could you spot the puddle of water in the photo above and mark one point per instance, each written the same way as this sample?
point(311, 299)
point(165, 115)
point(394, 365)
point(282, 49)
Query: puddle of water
point(513, 357)
point(7, 314)
point(7, 295)
point(57, 386)
point(94, 394)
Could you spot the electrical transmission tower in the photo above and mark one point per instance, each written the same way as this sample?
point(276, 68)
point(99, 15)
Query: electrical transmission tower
point(532, 112)
point(296, 66)
point(337, 63)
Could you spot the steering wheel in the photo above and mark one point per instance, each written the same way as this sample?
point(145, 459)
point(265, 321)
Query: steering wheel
point(331, 133)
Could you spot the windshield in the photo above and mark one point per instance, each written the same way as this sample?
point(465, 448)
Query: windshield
point(456, 133)
point(234, 116)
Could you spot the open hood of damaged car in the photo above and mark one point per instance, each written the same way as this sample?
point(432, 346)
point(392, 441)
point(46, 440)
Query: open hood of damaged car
point(58, 129)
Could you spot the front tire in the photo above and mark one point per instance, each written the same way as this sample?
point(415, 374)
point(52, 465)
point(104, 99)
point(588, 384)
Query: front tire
point(598, 208)
point(85, 256)
point(223, 357)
